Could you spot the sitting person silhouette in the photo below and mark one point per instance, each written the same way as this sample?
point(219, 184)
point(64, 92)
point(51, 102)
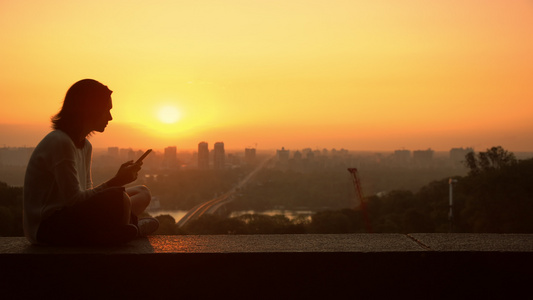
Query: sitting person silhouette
point(61, 206)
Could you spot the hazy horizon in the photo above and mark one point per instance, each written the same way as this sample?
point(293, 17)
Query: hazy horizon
point(358, 75)
point(29, 135)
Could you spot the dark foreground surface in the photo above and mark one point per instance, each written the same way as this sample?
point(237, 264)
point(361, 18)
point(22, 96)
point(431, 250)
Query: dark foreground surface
point(347, 266)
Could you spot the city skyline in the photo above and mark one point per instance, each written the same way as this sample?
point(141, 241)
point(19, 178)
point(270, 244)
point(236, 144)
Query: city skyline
point(217, 158)
point(106, 140)
point(203, 146)
point(205, 157)
point(361, 75)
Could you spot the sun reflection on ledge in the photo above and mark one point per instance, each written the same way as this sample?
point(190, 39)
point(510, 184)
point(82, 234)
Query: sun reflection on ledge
point(175, 244)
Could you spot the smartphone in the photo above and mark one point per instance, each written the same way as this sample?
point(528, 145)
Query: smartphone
point(143, 156)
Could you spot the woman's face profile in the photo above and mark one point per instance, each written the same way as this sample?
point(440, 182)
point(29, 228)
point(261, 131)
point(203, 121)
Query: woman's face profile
point(103, 117)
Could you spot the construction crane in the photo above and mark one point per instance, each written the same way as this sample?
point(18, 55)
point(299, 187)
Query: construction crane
point(359, 193)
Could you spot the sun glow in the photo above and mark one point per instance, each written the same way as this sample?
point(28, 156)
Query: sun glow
point(168, 114)
point(365, 75)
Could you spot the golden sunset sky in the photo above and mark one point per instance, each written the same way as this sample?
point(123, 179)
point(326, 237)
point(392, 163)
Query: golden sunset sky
point(360, 75)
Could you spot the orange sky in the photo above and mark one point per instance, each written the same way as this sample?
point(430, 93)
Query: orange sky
point(360, 75)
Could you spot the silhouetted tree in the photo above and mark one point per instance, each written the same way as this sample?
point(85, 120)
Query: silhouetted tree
point(263, 224)
point(493, 159)
point(331, 222)
point(415, 221)
point(500, 200)
point(10, 210)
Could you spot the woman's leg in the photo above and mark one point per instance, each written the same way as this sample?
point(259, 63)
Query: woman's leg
point(126, 202)
point(102, 219)
point(140, 197)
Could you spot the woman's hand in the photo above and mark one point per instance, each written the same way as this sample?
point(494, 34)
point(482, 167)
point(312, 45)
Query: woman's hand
point(126, 173)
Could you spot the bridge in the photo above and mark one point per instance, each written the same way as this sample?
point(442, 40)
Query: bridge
point(211, 206)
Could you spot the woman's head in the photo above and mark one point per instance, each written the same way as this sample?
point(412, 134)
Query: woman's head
point(86, 102)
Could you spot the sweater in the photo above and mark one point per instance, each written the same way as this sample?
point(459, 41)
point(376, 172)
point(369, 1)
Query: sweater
point(58, 175)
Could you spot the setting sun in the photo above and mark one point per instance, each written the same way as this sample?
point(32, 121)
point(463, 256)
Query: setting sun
point(168, 114)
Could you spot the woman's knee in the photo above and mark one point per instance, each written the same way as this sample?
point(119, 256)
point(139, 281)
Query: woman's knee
point(144, 190)
point(140, 199)
point(126, 208)
point(138, 190)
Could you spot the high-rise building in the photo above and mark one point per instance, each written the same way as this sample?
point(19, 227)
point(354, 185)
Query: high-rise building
point(423, 157)
point(127, 154)
point(458, 155)
point(308, 153)
point(219, 157)
point(402, 157)
point(283, 155)
point(203, 155)
point(249, 155)
point(297, 155)
point(112, 152)
point(170, 158)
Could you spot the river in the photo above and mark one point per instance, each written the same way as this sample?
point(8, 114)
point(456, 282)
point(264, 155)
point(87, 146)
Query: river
point(178, 214)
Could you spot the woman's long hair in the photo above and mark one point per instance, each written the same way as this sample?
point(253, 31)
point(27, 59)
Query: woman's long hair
point(84, 99)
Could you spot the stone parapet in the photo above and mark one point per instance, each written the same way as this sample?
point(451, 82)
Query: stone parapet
point(346, 266)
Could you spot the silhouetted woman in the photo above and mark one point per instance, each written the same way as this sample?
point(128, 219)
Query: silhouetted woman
point(61, 206)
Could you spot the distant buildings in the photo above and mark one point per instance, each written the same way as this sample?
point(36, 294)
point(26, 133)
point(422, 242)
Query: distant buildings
point(170, 157)
point(402, 157)
point(15, 156)
point(283, 155)
point(297, 155)
point(219, 159)
point(113, 152)
point(457, 155)
point(249, 155)
point(307, 158)
point(203, 155)
point(426, 158)
point(423, 158)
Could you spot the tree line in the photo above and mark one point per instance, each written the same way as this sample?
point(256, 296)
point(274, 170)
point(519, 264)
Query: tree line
point(10, 210)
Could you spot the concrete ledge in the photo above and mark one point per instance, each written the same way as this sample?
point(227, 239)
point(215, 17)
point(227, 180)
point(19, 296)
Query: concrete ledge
point(438, 266)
